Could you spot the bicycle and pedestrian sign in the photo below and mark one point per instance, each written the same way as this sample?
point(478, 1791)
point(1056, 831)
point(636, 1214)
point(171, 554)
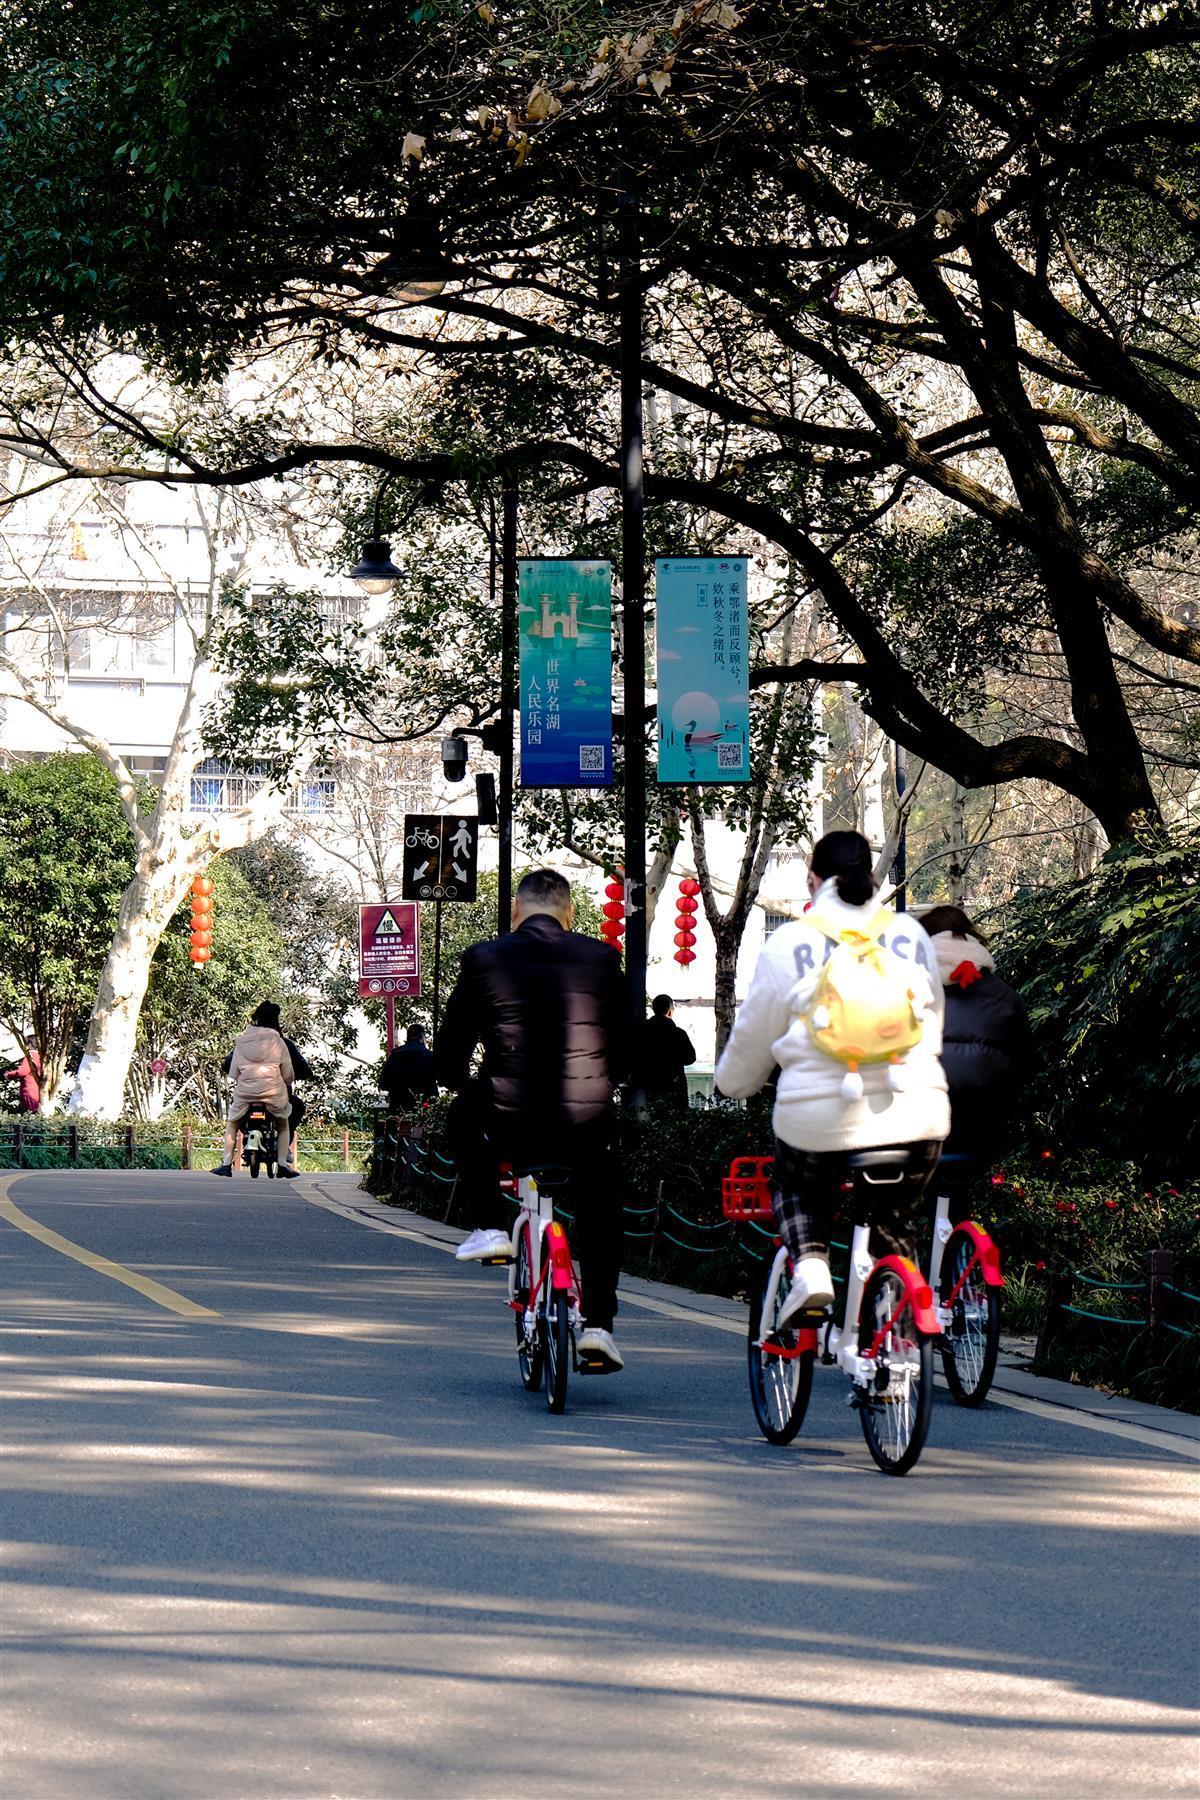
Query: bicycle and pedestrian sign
point(441, 856)
point(389, 951)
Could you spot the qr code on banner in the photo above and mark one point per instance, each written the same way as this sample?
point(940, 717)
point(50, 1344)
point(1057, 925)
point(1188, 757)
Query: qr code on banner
point(729, 756)
point(591, 759)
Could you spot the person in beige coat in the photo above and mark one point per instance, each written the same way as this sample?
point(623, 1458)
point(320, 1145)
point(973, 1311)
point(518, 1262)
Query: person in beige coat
point(815, 1122)
point(262, 1074)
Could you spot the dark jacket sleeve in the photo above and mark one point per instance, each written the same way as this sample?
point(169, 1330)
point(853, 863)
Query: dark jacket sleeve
point(687, 1050)
point(301, 1069)
point(460, 1030)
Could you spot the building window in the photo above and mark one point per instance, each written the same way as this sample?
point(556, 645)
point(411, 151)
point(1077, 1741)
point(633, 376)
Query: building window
point(773, 920)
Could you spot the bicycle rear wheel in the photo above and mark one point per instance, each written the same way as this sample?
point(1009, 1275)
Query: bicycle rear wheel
point(530, 1353)
point(971, 1341)
point(556, 1342)
point(780, 1385)
point(895, 1412)
point(252, 1164)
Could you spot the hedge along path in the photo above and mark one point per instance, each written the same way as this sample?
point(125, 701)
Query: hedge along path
point(103, 1265)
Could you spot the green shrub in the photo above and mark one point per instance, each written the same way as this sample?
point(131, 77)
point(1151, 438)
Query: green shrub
point(1110, 970)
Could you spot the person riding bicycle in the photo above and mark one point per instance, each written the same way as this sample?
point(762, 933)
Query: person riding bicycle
point(987, 1044)
point(819, 1115)
point(263, 1075)
point(548, 1006)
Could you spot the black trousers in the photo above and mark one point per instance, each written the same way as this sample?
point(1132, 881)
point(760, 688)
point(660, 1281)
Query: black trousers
point(806, 1186)
point(580, 1174)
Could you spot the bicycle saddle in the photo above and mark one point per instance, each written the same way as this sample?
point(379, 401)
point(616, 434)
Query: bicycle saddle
point(864, 1161)
point(545, 1173)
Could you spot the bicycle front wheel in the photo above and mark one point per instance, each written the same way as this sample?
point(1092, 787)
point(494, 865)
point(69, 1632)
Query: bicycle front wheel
point(252, 1165)
point(780, 1375)
point(557, 1345)
point(971, 1341)
point(895, 1411)
point(529, 1350)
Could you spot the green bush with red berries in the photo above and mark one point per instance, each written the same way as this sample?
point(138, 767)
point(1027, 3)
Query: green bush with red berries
point(1055, 1213)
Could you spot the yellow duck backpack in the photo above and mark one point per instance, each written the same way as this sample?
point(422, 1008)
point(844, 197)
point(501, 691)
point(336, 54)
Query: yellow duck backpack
point(864, 1009)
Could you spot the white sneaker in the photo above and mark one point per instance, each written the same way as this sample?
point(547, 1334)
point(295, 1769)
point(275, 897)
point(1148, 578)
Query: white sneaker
point(485, 1246)
point(598, 1351)
point(812, 1289)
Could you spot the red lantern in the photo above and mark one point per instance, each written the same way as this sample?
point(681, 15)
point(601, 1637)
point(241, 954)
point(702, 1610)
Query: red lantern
point(685, 939)
point(689, 886)
point(612, 926)
point(684, 957)
point(685, 922)
point(200, 946)
point(686, 904)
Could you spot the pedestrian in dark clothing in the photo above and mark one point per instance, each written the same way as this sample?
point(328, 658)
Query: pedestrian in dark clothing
point(668, 1052)
point(407, 1076)
point(987, 1045)
point(548, 1007)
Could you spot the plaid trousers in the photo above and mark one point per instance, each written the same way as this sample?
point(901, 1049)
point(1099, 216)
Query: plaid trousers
point(806, 1185)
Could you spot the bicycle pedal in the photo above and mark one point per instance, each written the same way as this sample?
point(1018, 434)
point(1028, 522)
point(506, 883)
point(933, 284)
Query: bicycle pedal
point(496, 1262)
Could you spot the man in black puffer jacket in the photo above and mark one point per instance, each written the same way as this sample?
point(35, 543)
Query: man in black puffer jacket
point(548, 1007)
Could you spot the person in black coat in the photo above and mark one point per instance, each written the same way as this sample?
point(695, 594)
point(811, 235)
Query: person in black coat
point(986, 1041)
point(548, 1007)
point(668, 1052)
point(407, 1076)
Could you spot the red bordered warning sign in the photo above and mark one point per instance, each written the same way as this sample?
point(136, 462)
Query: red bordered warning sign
point(389, 950)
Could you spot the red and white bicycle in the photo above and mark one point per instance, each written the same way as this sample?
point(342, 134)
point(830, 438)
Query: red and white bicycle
point(883, 1341)
point(964, 1273)
point(544, 1290)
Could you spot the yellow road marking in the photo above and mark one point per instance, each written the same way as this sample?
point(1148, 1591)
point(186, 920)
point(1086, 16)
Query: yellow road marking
point(143, 1284)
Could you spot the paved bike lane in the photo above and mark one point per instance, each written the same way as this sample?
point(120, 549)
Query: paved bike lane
point(320, 1543)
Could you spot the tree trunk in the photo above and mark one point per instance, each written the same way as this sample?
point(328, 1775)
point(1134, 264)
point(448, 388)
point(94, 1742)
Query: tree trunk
point(869, 765)
point(147, 907)
point(1090, 846)
point(728, 943)
point(956, 868)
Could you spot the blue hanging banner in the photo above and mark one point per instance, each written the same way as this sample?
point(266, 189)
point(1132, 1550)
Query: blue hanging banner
point(565, 610)
point(703, 669)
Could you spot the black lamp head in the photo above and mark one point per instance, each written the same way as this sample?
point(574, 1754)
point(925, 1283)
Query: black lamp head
point(375, 571)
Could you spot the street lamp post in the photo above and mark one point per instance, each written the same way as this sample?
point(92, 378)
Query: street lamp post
point(633, 598)
point(508, 702)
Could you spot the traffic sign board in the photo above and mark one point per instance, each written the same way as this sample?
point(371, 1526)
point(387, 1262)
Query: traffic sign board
point(441, 856)
point(389, 950)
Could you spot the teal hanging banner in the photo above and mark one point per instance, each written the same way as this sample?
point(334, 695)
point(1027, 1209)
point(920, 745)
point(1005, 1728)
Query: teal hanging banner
point(565, 611)
point(703, 669)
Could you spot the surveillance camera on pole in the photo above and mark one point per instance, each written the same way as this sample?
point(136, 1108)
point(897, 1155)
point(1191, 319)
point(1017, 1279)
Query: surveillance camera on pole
point(454, 758)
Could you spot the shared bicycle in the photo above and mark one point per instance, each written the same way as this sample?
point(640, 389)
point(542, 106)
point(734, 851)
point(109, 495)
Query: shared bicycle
point(883, 1341)
point(965, 1274)
point(890, 1322)
point(544, 1289)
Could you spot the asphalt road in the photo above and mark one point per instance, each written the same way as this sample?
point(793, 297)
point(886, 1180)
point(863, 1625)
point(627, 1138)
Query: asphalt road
point(320, 1544)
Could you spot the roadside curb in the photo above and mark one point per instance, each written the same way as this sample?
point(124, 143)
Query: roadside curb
point(1014, 1386)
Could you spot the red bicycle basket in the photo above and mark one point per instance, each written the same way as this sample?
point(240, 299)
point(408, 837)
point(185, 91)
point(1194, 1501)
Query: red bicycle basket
point(746, 1190)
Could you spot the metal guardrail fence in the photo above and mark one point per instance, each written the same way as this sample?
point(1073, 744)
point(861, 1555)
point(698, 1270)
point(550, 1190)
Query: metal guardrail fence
point(401, 1158)
point(30, 1142)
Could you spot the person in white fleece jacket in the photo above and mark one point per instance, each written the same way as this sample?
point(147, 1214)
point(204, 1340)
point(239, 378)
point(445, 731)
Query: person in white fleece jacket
point(815, 1124)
